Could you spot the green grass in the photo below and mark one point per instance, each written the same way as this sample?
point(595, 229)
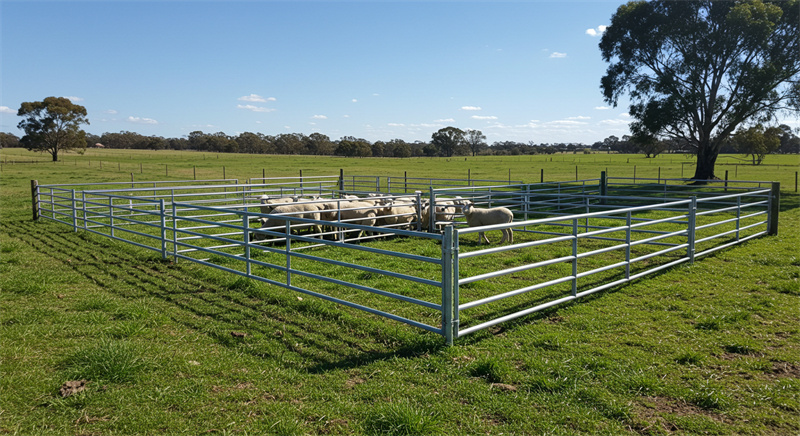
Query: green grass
point(705, 348)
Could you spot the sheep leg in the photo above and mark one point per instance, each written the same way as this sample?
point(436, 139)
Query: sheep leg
point(505, 236)
point(482, 237)
point(510, 236)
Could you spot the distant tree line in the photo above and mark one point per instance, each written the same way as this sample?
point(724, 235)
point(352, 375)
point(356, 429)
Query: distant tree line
point(446, 142)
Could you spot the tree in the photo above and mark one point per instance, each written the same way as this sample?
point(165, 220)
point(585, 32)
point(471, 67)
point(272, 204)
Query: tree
point(448, 140)
point(649, 145)
point(8, 140)
point(476, 141)
point(790, 143)
point(758, 141)
point(695, 70)
point(52, 125)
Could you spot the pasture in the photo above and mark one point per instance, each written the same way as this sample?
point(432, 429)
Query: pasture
point(179, 348)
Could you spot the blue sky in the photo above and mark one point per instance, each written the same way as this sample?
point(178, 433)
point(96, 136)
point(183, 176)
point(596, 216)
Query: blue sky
point(517, 71)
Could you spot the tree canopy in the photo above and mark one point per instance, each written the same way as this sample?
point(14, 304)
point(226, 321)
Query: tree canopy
point(448, 140)
point(52, 125)
point(696, 70)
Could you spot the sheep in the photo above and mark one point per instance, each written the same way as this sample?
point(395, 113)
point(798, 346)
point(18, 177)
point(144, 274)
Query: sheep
point(298, 210)
point(477, 217)
point(358, 212)
point(268, 204)
point(445, 210)
point(398, 214)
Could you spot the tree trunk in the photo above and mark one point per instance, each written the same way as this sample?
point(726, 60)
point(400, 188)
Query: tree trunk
point(706, 159)
point(55, 155)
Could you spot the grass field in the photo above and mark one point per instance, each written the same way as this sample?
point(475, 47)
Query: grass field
point(179, 348)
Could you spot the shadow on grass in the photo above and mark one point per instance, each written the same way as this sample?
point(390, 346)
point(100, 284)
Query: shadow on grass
point(270, 322)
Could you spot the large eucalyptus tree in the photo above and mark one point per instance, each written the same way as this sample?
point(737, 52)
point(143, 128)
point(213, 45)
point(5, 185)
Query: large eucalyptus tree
point(695, 70)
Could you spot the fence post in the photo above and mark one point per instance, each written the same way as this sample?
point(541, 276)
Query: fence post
point(35, 199)
point(74, 213)
point(174, 230)
point(628, 222)
point(542, 176)
point(288, 240)
point(450, 320)
point(574, 257)
point(774, 209)
point(603, 187)
point(690, 236)
point(246, 239)
point(111, 214)
point(83, 207)
point(432, 211)
point(726, 181)
point(163, 229)
point(341, 179)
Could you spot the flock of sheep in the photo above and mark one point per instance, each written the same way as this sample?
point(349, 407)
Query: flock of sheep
point(377, 210)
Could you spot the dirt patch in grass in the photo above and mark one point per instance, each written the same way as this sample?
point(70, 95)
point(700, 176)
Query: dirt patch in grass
point(786, 369)
point(653, 414)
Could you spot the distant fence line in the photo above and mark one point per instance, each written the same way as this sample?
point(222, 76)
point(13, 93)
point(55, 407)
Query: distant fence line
point(573, 238)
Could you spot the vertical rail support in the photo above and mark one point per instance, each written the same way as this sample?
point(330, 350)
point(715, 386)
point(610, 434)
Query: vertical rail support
point(691, 230)
point(341, 179)
point(174, 231)
point(431, 211)
point(74, 213)
point(450, 321)
point(35, 199)
point(163, 229)
point(628, 222)
point(603, 187)
point(774, 209)
point(288, 241)
point(738, 215)
point(246, 239)
point(111, 214)
point(574, 257)
point(83, 208)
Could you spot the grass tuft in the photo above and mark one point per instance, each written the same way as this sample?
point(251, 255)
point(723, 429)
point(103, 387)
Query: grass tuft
point(490, 368)
point(402, 418)
point(107, 361)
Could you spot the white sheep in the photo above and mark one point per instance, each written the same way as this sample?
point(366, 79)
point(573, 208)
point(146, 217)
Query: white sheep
point(477, 217)
point(268, 204)
point(358, 212)
point(398, 214)
point(299, 210)
point(446, 209)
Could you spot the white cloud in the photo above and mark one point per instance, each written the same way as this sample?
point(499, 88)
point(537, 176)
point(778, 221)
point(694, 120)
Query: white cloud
point(355, 100)
point(565, 123)
point(7, 110)
point(396, 124)
point(445, 120)
point(319, 117)
point(614, 122)
point(74, 99)
point(470, 108)
point(479, 117)
point(139, 120)
point(557, 55)
point(602, 108)
point(256, 98)
point(596, 31)
point(580, 117)
point(250, 107)
point(110, 112)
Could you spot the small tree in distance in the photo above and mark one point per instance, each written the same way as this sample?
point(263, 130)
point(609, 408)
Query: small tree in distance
point(476, 141)
point(448, 140)
point(52, 125)
point(758, 141)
